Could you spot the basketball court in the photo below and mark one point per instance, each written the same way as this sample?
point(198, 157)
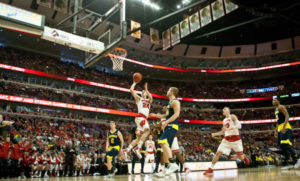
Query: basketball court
point(251, 174)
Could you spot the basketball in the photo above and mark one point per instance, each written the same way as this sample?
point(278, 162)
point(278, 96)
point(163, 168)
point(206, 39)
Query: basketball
point(137, 77)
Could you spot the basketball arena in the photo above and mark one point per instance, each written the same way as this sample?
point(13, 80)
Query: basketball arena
point(150, 90)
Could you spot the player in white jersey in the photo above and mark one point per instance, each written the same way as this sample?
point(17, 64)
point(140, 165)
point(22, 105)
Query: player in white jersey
point(143, 130)
point(150, 151)
point(231, 140)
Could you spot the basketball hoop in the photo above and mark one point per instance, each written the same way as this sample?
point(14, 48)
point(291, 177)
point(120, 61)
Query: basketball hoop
point(115, 55)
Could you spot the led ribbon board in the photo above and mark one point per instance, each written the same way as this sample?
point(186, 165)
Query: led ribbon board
point(116, 112)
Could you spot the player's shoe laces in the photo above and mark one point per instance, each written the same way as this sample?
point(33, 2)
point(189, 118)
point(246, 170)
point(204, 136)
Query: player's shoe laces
point(186, 171)
point(208, 172)
point(246, 160)
point(297, 165)
point(137, 152)
point(172, 168)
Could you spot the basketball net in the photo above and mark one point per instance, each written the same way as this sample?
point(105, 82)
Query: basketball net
point(115, 55)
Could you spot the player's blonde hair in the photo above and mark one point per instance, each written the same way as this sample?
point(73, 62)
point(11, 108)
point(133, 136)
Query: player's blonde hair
point(175, 91)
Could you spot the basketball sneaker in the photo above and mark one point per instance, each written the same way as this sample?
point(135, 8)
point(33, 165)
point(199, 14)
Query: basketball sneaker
point(137, 152)
point(297, 165)
point(208, 172)
point(287, 167)
point(114, 172)
point(246, 160)
point(160, 174)
point(186, 171)
point(172, 168)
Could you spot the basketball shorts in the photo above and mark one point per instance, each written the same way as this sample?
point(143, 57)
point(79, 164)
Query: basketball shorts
point(168, 135)
point(226, 147)
point(150, 157)
point(141, 124)
point(113, 151)
point(285, 138)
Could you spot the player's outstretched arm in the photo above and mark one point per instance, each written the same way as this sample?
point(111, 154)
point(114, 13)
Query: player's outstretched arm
point(148, 93)
point(5, 123)
point(157, 115)
point(220, 133)
point(133, 93)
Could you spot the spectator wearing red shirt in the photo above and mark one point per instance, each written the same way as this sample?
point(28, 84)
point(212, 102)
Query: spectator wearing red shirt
point(25, 164)
point(4, 151)
point(16, 157)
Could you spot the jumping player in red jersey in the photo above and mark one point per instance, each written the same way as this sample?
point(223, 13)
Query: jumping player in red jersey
point(231, 140)
point(143, 104)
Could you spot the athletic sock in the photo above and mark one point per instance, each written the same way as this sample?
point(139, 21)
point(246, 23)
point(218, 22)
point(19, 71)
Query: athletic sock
point(212, 166)
point(184, 165)
point(129, 148)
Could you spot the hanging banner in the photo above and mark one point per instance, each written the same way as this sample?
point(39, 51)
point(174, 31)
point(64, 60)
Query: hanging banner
point(45, 3)
point(166, 39)
point(217, 9)
point(154, 36)
point(135, 25)
point(61, 6)
point(205, 15)
point(194, 22)
point(184, 28)
point(175, 35)
point(230, 6)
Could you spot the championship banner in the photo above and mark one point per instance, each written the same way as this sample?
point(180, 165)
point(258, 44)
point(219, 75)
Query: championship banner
point(217, 9)
point(135, 25)
point(205, 15)
point(45, 3)
point(229, 6)
point(175, 35)
point(154, 36)
point(61, 6)
point(166, 39)
point(184, 28)
point(194, 22)
point(74, 41)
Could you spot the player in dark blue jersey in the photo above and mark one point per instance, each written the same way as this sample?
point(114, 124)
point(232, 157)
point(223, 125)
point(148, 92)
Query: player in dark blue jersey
point(283, 133)
point(170, 128)
point(114, 145)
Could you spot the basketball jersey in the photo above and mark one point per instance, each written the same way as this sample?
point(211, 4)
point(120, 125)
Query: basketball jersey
point(228, 123)
point(80, 158)
point(170, 112)
point(143, 106)
point(150, 146)
point(113, 138)
point(280, 118)
point(52, 160)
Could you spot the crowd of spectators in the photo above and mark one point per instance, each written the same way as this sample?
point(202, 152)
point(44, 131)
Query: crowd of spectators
point(126, 105)
point(40, 147)
point(196, 90)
